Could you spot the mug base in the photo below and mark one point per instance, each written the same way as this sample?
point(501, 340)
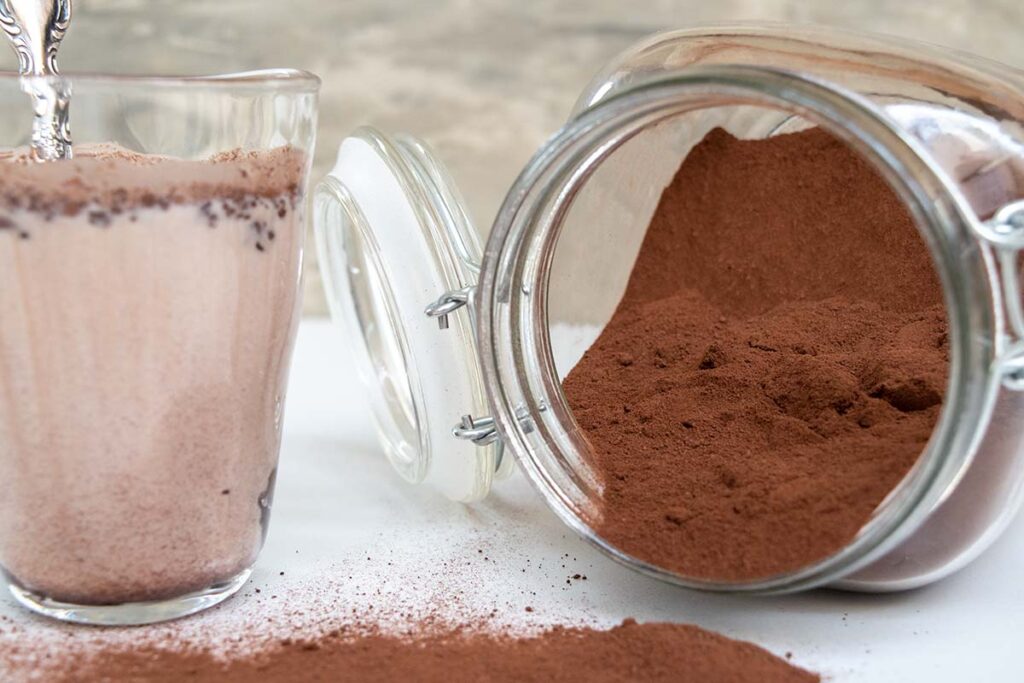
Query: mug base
point(131, 613)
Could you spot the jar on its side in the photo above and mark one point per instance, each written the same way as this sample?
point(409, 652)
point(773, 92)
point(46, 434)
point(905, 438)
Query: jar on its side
point(945, 130)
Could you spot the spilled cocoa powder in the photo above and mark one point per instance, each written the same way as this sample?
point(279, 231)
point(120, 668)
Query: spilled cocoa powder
point(776, 364)
point(422, 605)
point(628, 652)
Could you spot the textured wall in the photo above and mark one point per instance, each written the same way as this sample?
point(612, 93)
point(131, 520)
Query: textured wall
point(484, 82)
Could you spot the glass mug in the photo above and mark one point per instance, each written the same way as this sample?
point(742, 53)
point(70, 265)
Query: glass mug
point(458, 402)
point(149, 296)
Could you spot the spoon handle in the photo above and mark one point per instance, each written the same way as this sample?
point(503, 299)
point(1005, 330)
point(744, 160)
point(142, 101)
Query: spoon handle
point(35, 29)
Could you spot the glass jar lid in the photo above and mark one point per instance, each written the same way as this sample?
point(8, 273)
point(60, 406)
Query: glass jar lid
point(399, 258)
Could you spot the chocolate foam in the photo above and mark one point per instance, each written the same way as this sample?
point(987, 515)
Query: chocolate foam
point(115, 179)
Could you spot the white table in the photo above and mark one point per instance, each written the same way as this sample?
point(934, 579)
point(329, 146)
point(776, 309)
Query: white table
point(338, 503)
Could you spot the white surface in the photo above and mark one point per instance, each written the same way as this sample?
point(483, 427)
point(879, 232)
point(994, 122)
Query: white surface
point(338, 503)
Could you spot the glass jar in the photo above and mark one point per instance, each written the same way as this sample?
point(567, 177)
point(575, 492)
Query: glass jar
point(465, 348)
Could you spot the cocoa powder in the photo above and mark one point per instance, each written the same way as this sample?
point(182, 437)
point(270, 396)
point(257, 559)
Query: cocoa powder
point(112, 179)
point(629, 652)
point(775, 367)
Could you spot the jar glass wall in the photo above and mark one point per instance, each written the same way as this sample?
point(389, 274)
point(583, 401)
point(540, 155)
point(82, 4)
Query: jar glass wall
point(594, 188)
point(944, 131)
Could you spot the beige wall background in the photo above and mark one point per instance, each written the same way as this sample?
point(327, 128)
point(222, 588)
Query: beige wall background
point(484, 82)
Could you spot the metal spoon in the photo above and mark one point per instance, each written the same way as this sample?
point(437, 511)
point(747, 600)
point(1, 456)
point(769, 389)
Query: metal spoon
point(35, 29)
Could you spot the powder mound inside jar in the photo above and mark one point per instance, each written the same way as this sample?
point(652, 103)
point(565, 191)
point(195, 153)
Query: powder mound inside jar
point(775, 367)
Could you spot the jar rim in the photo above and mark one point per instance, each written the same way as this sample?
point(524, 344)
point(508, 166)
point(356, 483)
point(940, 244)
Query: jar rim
point(512, 327)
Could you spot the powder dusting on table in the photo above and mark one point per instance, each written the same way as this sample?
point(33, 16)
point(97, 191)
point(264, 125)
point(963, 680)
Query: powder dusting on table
point(387, 616)
point(449, 593)
point(627, 652)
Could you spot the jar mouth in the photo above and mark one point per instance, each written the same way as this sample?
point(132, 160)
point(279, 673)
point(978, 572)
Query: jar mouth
point(516, 350)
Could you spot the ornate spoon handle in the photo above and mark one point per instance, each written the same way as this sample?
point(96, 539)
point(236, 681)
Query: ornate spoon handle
point(35, 29)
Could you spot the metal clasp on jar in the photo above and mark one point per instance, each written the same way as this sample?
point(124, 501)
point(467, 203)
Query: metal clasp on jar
point(480, 430)
point(1004, 232)
point(449, 302)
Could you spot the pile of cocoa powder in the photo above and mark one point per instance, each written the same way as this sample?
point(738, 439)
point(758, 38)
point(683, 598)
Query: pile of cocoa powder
point(776, 364)
point(628, 652)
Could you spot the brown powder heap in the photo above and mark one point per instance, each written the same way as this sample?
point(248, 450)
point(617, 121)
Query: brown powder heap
point(630, 652)
point(775, 367)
